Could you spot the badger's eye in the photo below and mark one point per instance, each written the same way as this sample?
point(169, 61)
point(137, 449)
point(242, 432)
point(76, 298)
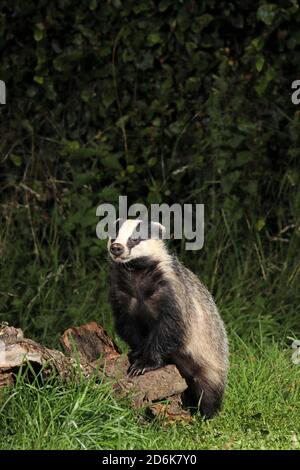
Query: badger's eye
point(133, 241)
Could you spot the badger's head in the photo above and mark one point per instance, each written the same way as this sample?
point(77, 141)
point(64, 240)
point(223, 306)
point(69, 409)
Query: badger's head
point(136, 239)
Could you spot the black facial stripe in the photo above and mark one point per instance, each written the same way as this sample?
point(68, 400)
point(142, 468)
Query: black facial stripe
point(141, 231)
point(135, 237)
point(149, 230)
point(131, 242)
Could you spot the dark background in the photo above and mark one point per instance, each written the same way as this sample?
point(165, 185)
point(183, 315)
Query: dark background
point(164, 102)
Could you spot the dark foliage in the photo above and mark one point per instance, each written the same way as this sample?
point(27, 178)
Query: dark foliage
point(186, 101)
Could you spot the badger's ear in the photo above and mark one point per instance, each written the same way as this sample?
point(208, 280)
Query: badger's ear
point(157, 231)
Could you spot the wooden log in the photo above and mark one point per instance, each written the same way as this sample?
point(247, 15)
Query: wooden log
point(94, 347)
point(15, 351)
point(94, 352)
point(88, 342)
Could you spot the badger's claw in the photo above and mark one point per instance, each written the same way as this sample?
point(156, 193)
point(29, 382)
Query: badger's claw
point(139, 368)
point(135, 369)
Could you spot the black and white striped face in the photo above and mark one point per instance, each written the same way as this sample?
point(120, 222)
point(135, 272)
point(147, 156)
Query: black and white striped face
point(136, 239)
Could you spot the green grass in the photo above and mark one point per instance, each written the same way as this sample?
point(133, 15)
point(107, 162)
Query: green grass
point(261, 411)
point(257, 293)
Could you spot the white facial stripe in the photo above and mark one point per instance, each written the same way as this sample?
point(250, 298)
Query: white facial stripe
point(126, 231)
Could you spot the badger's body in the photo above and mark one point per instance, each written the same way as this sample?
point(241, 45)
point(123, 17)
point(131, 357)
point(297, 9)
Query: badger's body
point(166, 315)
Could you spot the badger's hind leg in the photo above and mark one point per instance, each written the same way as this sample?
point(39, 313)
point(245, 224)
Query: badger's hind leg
point(204, 396)
point(205, 386)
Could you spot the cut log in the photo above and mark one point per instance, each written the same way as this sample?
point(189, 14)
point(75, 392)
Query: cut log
point(94, 352)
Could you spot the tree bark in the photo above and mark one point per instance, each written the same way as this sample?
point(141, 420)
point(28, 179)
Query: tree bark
point(90, 350)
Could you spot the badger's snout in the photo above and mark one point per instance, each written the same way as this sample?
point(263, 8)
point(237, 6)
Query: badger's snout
point(117, 249)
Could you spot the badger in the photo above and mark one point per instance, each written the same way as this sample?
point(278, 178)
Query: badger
point(165, 314)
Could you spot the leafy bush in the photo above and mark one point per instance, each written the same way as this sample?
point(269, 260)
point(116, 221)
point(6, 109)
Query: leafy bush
point(163, 101)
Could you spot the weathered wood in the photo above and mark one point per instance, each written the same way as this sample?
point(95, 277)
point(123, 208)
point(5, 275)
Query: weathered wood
point(15, 351)
point(94, 347)
point(94, 352)
point(88, 342)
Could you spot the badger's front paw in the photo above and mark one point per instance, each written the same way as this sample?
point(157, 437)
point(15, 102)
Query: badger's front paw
point(139, 367)
point(134, 356)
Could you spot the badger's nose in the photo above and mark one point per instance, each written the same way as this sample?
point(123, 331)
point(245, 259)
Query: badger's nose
point(116, 249)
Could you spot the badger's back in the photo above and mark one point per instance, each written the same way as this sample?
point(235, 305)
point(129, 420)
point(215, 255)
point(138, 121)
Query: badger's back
point(203, 359)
